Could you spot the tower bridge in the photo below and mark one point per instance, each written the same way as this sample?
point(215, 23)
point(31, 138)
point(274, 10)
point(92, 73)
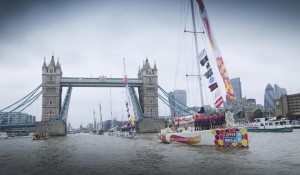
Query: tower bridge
point(55, 112)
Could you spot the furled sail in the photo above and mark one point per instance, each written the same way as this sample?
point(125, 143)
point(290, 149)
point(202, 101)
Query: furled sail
point(216, 52)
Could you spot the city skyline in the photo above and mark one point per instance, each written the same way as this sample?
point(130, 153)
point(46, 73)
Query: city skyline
point(258, 41)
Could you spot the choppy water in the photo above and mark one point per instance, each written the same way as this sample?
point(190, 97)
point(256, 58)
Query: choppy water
point(269, 153)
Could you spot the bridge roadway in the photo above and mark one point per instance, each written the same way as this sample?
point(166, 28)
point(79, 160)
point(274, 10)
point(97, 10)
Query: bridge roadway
point(99, 82)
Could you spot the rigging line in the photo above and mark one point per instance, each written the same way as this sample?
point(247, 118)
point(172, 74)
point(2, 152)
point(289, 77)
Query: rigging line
point(188, 62)
point(187, 14)
point(179, 47)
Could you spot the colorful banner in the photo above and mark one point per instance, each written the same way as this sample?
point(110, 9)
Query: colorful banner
point(212, 84)
point(231, 137)
point(186, 140)
point(216, 52)
point(184, 120)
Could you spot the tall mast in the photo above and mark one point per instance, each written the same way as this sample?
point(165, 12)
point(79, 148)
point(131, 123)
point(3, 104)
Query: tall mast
point(112, 120)
point(196, 45)
point(101, 116)
point(124, 79)
point(95, 122)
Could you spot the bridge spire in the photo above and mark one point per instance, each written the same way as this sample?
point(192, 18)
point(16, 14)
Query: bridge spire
point(155, 68)
point(52, 62)
point(44, 64)
point(57, 63)
point(146, 65)
point(139, 72)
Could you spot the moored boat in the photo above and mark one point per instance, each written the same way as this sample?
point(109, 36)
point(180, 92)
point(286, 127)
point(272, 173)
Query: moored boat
point(40, 137)
point(3, 135)
point(100, 124)
point(127, 131)
point(112, 131)
point(295, 124)
point(270, 124)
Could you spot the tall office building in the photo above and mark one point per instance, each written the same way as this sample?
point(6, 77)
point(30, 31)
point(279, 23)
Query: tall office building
point(271, 94)
point(237, 87)
point(288, 104)
point(269, 98)
point(179, 95)
point(279, 91)
point(17, 118)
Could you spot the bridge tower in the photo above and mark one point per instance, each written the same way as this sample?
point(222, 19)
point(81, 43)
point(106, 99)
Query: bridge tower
point(148, 92)
point(51, 104)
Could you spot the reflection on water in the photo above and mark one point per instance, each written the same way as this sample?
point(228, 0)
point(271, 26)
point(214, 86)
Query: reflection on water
point(269, 153)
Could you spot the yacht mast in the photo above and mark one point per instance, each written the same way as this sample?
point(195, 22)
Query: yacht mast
point(101, 116)
point(196, 45)
point(112, 120)
point(95, 121)
point(124, 79)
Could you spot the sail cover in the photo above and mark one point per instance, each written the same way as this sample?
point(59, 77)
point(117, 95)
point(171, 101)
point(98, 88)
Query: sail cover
point(216, 52)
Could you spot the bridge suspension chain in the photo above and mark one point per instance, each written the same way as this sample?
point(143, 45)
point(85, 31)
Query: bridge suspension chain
point(21, 104)
point(181, 111)
point(30, 94)
point(175, 104)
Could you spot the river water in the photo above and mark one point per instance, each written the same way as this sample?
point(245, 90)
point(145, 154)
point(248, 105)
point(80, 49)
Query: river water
point(269, 153)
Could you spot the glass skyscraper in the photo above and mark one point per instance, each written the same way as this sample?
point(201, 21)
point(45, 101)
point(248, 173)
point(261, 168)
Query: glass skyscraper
point(271, 94)
point(179, 95)
point(279, 91)
point(237, 87)
point(269, 98)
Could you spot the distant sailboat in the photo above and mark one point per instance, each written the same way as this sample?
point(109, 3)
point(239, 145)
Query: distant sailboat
point(100, 130)
point(111, 130)
point(94, 131)
point(129, 129)
point(208, 130)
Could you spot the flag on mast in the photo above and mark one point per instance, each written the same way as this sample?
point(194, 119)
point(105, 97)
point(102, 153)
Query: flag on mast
point(213, 86)
point(216, 51)
point(129, 106)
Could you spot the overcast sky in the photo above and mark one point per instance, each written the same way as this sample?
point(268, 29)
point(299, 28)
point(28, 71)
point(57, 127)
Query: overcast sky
point(259, 41)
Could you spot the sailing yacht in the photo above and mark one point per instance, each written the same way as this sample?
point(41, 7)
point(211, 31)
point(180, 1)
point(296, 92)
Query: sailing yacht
point(129, 129)
point(214, 130)
point(3, 135)
point(113, 129)
point(100, 124)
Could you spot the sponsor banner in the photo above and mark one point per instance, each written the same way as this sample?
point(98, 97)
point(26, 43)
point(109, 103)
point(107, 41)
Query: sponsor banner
point(216, 51)
point(237, 137)
point(184, 120)
point(186, 140)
